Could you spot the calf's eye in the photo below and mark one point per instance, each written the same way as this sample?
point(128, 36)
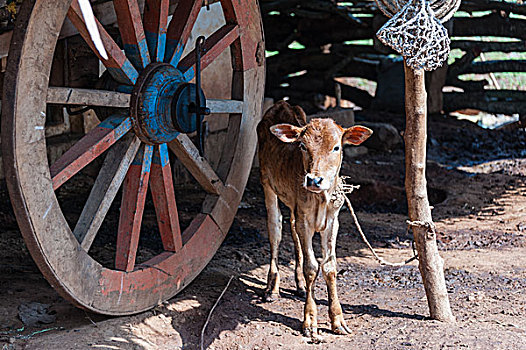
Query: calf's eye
point(336, 149)
point(302, 147)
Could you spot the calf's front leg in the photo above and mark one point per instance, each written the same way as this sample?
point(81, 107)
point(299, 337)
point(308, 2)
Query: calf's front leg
point(274, 226)
point(329, 270)
point(305, 232)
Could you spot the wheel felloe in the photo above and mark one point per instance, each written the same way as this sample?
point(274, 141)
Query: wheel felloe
point(135, 164)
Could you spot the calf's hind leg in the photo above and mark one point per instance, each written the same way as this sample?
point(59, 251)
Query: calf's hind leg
point(298, 273)
point(274, 220)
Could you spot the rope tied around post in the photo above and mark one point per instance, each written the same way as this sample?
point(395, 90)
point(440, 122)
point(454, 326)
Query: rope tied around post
point(429, 225)
point(415, 30)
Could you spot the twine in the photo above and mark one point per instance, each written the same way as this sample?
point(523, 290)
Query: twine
point(415, 30)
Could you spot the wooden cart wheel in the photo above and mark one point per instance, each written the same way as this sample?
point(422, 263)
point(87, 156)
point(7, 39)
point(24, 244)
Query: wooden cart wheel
point(134, 145)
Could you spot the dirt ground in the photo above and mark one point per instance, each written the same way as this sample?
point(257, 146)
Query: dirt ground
point(477, 186)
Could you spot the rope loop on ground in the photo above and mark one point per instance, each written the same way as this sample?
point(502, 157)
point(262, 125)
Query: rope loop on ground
point(415, 30)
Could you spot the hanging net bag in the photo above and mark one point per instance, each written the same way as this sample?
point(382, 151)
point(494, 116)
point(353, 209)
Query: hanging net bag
point(415, 30)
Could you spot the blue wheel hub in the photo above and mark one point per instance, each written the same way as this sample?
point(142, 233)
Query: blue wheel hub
point(163, 104)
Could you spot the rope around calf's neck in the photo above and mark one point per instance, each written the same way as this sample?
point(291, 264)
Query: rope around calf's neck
point(377, 257)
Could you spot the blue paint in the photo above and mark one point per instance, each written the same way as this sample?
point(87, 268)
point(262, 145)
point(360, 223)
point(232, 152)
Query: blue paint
point(177, 55)
point(152, 38)
point(130, 71)
point(133, 54)
point(122, 129)
point(121, 124)
point(147, 159)
point(128, 89)
point(174, 51)
point(188, 74)
point(127, 74)
point(119, 75)
point(143, 48)
point(161, 47)
point(143, 157)
point(160, 156)
point(157, 45)
point(163, 153)
point(154, 113)
point(185, 120)
point(112, 121)
point(171, 44)
point(138, 54)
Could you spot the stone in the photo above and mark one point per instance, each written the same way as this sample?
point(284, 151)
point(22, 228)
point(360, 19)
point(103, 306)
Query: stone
point(34, 314)
point(342, 116)
point(355, 151)
point(389, 95)
point(385, 136)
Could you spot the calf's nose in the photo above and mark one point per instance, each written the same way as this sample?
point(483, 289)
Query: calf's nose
point(314, 181)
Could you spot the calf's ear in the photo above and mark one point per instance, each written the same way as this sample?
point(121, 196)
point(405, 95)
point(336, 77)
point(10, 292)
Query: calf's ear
point(356, 135)
point(286, 132)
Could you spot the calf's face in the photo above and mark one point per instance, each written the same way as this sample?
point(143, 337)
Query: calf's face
point(321, 142)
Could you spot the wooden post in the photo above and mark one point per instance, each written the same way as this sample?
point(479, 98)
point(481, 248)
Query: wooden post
point(431, 265)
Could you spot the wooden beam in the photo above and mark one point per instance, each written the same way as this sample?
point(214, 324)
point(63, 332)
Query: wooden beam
point(87, 97)
point(224, 106)
point(198, 166)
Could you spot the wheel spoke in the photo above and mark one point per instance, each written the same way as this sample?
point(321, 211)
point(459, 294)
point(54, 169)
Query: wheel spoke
point(132, 208)
point(117, 63)
point(200, 169)
point(224, 106)
point(215, 44)
point(92, 145)
point(132, 32)
point(180, 28)
point(87, 97)
point(106, 185)
point(162, 187)
point(155, 27)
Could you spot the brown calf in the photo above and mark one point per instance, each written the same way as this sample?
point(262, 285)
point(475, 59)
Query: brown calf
point(299, 165)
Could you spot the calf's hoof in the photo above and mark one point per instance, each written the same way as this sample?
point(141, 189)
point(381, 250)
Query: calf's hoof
point(270, 297)
point(340, 327)
point(311, 332)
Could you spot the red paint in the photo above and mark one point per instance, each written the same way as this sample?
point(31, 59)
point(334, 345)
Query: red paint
point(116, 58)
point(181, 25)
point(215, 44)
point(168, 269)
point(241, 12)
point(132, 207)
point(161, 185)
point(131, 29)
point(156, 21)
point(92, 145)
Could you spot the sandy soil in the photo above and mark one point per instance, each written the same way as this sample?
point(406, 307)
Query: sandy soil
point(477, 187)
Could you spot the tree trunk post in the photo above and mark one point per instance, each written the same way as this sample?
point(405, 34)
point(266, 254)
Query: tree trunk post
point(431, 265)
